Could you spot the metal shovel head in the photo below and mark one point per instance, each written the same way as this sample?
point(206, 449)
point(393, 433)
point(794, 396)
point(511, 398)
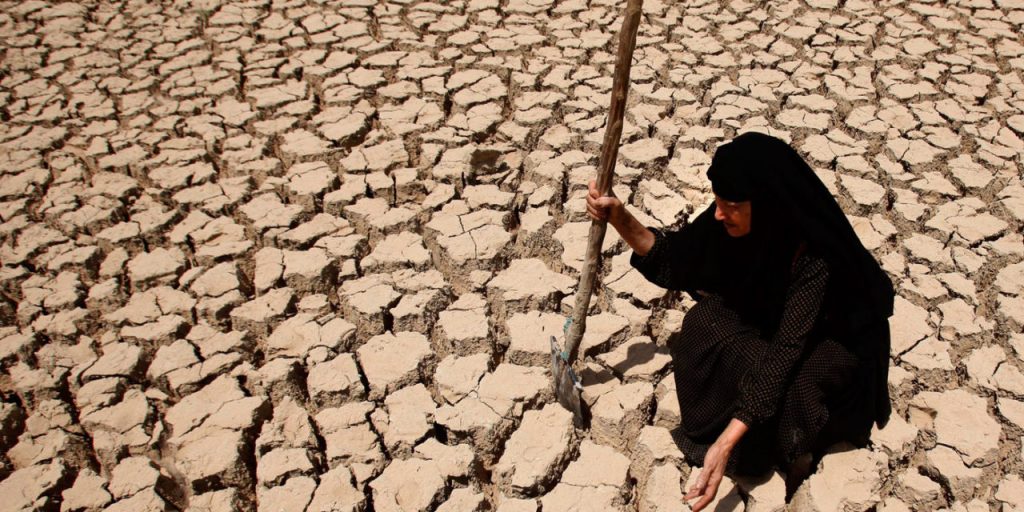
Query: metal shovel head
point(568, 388)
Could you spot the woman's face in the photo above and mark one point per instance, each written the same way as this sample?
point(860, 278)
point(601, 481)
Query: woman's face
point(734, 215)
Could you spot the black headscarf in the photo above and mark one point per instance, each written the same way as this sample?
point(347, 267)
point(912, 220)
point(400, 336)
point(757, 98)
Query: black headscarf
point(789, 206)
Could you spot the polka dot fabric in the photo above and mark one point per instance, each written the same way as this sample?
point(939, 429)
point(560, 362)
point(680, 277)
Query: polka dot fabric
point(792, 389)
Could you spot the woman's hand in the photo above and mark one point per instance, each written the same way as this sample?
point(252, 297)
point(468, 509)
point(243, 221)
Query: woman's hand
point(607, 208)
point(706, 486)
point(612, 211)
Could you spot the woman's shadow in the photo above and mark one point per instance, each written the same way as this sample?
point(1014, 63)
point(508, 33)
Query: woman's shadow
point(639, 352)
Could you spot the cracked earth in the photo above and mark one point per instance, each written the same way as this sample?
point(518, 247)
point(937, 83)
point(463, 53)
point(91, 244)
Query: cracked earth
point(306, 255)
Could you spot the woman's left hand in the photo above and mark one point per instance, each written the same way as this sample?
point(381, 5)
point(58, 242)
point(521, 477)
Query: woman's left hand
point(706, 486)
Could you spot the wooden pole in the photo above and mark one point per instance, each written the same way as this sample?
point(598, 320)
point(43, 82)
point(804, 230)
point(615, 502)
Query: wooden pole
point(609, 152)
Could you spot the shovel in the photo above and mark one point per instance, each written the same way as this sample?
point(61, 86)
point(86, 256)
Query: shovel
point(567, 385)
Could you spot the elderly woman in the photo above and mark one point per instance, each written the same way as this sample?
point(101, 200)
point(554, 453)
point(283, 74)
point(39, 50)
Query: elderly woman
point(787, 348)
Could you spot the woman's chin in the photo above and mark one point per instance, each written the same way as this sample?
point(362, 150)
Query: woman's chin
point(735, 232)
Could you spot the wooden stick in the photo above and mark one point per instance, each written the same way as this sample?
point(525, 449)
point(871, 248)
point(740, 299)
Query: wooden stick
point(609, 152)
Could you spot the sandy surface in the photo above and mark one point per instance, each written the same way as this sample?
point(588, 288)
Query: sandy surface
point(306, 255)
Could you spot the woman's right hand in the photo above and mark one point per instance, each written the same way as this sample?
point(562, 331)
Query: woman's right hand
point(606, 208)
point(610, 209)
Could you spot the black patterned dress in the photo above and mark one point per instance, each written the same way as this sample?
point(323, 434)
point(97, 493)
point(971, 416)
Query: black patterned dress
point(797, 390)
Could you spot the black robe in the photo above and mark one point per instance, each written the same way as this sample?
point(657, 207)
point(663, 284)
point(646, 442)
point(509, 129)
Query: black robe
point(799, 379)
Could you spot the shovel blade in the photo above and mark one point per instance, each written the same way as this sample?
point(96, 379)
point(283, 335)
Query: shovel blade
point(568, 388)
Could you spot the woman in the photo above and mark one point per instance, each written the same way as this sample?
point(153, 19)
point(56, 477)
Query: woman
point(787, 348)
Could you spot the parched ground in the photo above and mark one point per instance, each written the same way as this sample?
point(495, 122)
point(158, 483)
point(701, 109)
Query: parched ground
point(307, 255)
